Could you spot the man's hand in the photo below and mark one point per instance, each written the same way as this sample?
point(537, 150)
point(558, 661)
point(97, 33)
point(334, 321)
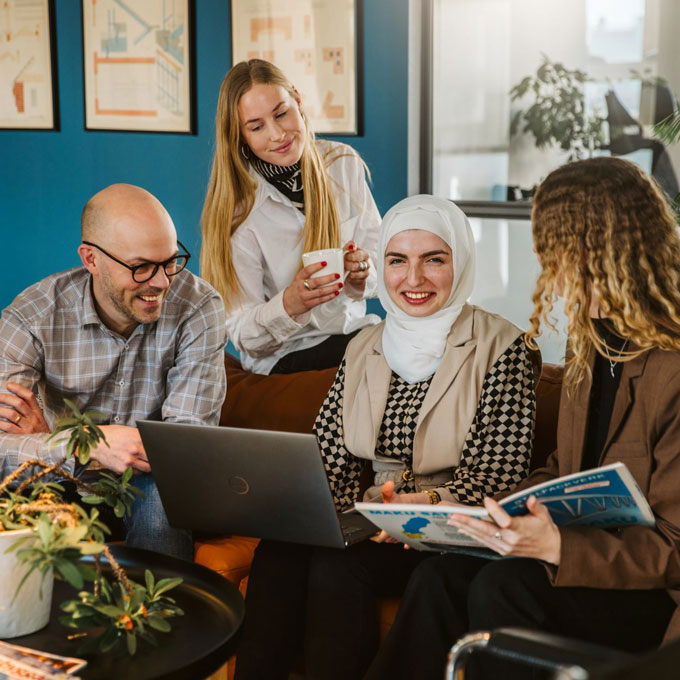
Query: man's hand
point(22, 412)
point(532, 535)
point(124, 449)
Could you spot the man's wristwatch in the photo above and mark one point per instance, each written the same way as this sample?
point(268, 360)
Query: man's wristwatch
point(434, 496)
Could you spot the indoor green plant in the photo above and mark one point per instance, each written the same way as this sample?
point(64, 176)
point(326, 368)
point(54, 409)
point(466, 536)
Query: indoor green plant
point(52, 536)
point(557, 114)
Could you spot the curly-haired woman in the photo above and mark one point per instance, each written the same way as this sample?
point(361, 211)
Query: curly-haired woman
point(608, 244)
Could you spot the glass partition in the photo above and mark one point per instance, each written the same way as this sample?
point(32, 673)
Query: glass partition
point(521, 86)
point(506, 275)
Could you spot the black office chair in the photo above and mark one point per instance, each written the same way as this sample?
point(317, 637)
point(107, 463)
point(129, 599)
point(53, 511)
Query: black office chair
point(564, 658)
point(626, 135)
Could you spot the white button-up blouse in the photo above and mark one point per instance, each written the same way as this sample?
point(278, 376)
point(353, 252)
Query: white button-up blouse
point(266, 251)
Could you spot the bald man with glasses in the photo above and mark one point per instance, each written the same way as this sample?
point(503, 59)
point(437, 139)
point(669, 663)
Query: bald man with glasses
point(130, 333)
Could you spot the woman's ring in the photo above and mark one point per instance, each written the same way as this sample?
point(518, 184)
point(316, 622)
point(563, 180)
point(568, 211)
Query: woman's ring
point(18, 420)
point(305, 283)
point(363, 266)
point(498, 536)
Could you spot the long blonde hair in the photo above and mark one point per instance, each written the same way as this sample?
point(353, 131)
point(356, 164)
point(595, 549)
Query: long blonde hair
point(231, 190)
point(603, 230)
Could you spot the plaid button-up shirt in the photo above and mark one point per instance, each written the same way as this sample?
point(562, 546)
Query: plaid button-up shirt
point(53, 341)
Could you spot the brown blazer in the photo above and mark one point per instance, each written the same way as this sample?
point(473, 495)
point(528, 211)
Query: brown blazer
point(644, 433)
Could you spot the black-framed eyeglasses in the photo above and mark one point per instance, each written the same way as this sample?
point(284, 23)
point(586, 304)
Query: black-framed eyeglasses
point(141, 273)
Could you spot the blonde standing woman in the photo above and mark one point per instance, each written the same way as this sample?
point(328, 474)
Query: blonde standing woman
point(276, 192)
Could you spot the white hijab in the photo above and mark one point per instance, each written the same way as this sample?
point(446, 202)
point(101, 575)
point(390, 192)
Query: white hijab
point(413, 346)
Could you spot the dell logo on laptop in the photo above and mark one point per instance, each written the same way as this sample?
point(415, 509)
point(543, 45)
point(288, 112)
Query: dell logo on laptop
point(239, 485)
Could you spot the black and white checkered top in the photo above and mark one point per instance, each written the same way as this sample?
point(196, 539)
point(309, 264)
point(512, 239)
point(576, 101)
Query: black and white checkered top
point(497, 449)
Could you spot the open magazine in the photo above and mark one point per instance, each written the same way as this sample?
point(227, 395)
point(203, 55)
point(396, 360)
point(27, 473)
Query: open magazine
point(605, 497)
point(21, 663)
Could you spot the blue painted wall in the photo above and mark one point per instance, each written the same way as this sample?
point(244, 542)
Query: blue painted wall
point(46, 177)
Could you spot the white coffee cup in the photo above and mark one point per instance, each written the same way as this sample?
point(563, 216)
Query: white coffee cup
point(335, 257)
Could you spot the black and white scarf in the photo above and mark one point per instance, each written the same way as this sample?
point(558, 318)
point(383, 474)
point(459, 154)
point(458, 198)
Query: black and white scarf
point(286, 178)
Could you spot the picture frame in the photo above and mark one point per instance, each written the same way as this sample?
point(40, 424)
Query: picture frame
point(139, 65)
point(28, 66)
point(317, 45)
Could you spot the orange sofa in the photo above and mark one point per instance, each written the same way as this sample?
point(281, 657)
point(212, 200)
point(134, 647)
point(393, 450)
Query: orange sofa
point(291, 403)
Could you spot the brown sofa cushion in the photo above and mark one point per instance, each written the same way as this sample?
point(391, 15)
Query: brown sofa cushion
point(288, 403)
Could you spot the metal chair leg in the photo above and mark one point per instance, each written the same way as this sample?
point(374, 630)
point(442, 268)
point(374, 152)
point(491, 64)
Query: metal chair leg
point(460, 652)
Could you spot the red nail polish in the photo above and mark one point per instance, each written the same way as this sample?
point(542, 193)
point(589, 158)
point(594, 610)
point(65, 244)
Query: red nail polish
point(323, 264)
point(350, 247)
point(337, 276)
point(339, 285)
point(337, 292)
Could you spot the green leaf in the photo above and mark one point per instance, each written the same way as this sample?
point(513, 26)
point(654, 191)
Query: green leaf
point(44, 529)
point(166, 584)
point(158, 623)
point(119, 509)
point(92, 500)
point(69, 572)
point(73, 408)
point(110, 610)
point(131, 643)
point(149, 579)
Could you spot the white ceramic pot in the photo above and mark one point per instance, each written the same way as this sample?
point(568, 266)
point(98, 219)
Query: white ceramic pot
point(27, 612)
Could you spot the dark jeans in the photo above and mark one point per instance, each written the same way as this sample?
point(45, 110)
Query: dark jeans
point(451, 595)
point(324, 355)
point(148, 527)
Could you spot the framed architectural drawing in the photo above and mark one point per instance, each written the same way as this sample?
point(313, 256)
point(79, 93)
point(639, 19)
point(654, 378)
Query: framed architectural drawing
point(138, 65)
point(316, 44)
point(28, 65)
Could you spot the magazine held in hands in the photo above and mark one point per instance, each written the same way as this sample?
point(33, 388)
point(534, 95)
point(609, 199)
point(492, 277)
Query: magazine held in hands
point(606, 497)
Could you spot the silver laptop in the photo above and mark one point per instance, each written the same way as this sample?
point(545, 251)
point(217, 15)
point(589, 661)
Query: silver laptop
point(257, 483)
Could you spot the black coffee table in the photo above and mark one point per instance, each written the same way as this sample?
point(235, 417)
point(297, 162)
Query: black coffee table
point(199, 643)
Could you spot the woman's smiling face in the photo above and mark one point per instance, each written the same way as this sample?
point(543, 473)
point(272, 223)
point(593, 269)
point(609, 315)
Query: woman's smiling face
point(418, 271)
point(271, 124)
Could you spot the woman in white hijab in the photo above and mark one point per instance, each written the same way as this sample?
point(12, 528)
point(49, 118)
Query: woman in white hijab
point(440, 399)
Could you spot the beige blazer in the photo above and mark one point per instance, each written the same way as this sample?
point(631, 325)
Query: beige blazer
point(477, 339)
point(644, 433)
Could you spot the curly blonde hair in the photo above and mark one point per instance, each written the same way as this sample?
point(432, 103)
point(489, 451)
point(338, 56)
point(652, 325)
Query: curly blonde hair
point(231, 189)
point(604, 232)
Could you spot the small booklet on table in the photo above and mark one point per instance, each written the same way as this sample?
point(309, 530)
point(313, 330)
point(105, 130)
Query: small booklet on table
point(605, 497)
point(20, 663)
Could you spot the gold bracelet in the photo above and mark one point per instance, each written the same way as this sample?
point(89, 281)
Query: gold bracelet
point(434, 496)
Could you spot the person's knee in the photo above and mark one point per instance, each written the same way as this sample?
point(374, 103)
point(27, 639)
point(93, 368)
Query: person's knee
point(501, 588)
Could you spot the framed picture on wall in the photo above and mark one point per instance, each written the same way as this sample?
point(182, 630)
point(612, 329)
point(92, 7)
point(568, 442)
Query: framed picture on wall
point(316, 44)
point(28, 65)
point(139, 65)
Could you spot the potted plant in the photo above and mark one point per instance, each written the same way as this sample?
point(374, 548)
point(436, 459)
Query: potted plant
point(43, 536)
point(557, 114)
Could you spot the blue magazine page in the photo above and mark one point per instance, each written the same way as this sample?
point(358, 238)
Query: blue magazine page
point(603, 497)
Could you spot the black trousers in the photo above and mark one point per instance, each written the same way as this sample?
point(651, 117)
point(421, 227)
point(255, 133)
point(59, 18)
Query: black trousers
point(324, 355)
point(323, 602)
point(320, 602)
point(451, 595)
